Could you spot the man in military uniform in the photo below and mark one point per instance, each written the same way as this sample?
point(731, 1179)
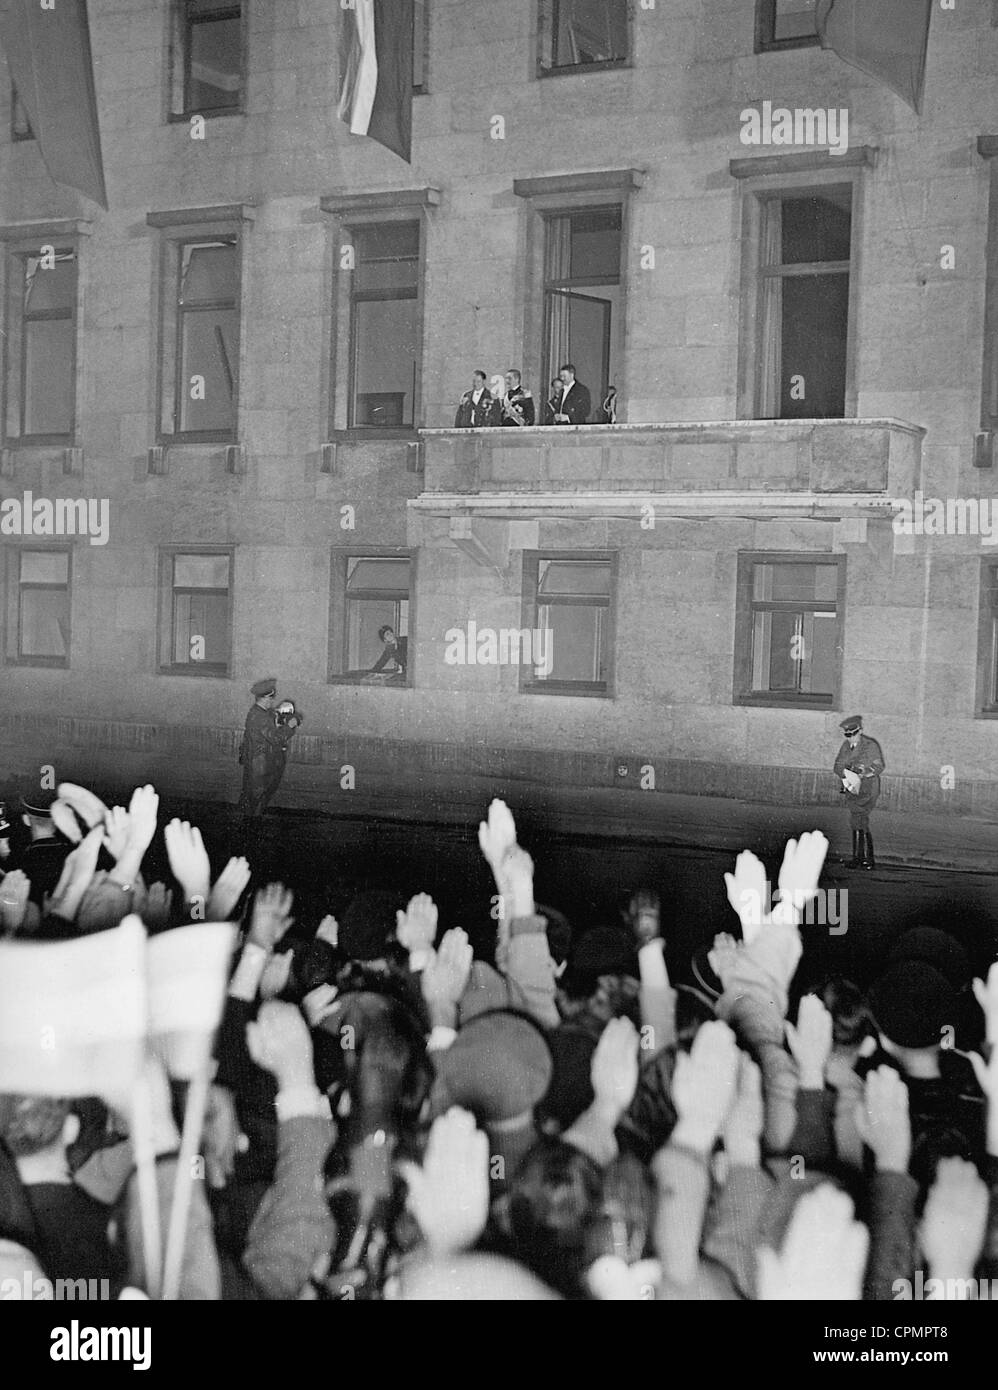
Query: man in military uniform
point(478, 407)
point(858, 767)
point(517, 403)
point(46, 852)
point(264, 748)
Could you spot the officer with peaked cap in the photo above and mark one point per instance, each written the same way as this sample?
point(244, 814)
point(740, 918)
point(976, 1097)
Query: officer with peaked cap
point(44, 856)
point(858, 766)
point(264, 748)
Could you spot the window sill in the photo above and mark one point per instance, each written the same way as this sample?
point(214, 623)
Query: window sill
point(38, 663)
point(763, 701)
point(377, 684)
point(781, 45)
point(25, 443)
point(566, 688)
point(356, 434)
point(204, 438)
point(195, 672)
point(209, 114)
point(576, 69)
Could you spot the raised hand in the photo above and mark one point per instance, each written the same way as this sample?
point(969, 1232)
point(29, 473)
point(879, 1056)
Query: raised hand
point(14, 890)
point(748, 889)
point(78, 871)
point(644, 911)
point(884, 1121)
point(445, 978)
point(64, 820)
point(271, 915)
point(416, 927)
point(723, 957)
point(811, 1042)
point(117, 828)
point(614, 1068)
point(227, 890)
point(955, 1219)
point(497, 834)
point(279, 1041)
point(329, 931)
point(154, 905)
point(516, 884)
point(823, 1256)
point(703, 1086)
point(188, 859)
point(143, 810)
point(449, 1195)
point(803, 861)
point(276, 974)
point(88, 807)
point(986, 994)
point(744, 1122)
point(318, 1003)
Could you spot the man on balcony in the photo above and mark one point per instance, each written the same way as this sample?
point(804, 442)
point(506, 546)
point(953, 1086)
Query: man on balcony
point(575, 405)
point(477, 409)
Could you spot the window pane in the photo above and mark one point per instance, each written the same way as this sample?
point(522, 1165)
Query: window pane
point(204, 617)
point(818, 653)
point(50, 289)
point(209, 274)
point(209, 349)
point(364, 617)
point(783, 582)
point(595, 244)
point(588, 31)
point(48, 376)
point(369, 573)
point(774, 666)
point(573, 642)
point(387, 256)
point(818, 227)
point(571, 577)
point(44, 567)
point(386, 333)
point(215, 63)
point(44, 622)
point(815, 325)
point(794, 19)
point(201, 571)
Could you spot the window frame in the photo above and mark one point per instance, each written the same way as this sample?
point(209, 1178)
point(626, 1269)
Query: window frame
point(547, 11)
point(180, 61)
point(587, 690)
point(987, 642)
point(765, 31)
point(744, 639)
point(549, 370)
point(762, 178)
point(12, 654)
point(988, 148)
point(338, 630)
point(378, 297)
point(166, 594)
point(14, 342)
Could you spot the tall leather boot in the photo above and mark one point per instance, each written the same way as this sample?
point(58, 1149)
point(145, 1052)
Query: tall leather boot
point(856, 862)
point(868, 860)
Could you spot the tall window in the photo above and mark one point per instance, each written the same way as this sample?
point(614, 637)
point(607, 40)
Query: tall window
point(41, 346)
point(987, 642)
point(38, 594)
point(208, 57)
point(568, 609)
point(789, 630)
point(384, 325)
point(583, 305)
point(201, 339)
point(785, 24)
point(582, 34)
point(195, 612)
point(805, 251)
point(20, 123)
point(377, 597)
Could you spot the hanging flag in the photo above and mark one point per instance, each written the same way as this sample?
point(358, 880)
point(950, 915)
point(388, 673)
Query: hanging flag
point(73, 1013)
point(49, 60)
point(376, 72)
point(886, 38)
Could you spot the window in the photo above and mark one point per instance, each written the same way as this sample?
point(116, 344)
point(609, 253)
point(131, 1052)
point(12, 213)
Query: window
point(788, 640)
point(195, 612)
point(987, 642)
point(200, 353)
point(568, 609)
point(785, 24)
point(208, 57)
point(804, 273)
point(385, 325)
point(38, 590)
point(420, 45)
point(583, 305)
point(371, 592)
point(41, 345)
point(20, 124)
point(582, 34)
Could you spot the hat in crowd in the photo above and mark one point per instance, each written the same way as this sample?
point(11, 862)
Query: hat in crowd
point(913, 1002)
point(852, 725)
point(367, 924)
point(938, 949)
point(38, 804)
point(268, 686)
point(498, 1067)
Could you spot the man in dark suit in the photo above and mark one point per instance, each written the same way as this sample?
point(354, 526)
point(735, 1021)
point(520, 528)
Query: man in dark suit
point(477, 409)
point(575, 406)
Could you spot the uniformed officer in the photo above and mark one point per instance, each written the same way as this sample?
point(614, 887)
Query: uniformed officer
point(46, 852)
point(858, 766)
point(478, 407)
point(264, 748)
point(517, 404)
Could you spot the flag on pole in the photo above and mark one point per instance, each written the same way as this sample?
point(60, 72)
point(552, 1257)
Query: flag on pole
point(886, 38)
point(47, 49)
point(376, 72)
point(73, 1014)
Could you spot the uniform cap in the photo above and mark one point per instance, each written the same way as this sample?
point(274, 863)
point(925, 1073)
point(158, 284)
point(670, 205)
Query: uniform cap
point(853, 724)
point(268, 686)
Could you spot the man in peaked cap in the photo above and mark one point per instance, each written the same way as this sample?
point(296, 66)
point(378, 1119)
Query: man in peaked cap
point(46, 852)
point(264, 748)
point(858, 767)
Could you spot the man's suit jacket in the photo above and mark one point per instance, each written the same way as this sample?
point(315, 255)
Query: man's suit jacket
point(576, 405)
point(480, 416)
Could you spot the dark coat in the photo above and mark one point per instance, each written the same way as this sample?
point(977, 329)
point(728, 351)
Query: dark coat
point(576, 405)
point(480, 416)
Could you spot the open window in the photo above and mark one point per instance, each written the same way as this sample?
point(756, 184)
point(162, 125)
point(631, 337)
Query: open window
point(583, 34)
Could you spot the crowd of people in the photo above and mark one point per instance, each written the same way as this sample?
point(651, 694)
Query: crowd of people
point(505, 401)
point(563, 1115)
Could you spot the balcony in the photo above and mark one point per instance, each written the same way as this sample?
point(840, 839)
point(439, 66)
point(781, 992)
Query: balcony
point(822, 469)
